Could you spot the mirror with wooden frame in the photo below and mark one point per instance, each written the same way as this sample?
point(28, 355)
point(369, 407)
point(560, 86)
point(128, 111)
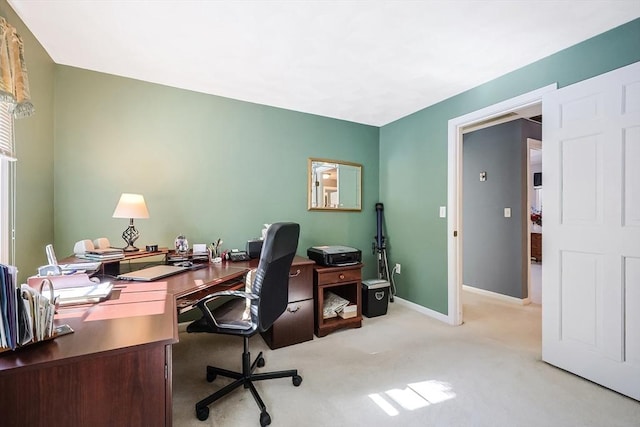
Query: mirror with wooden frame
point(334, 185)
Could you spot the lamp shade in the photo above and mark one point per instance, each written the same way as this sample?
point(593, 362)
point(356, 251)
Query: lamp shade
point(131, 206)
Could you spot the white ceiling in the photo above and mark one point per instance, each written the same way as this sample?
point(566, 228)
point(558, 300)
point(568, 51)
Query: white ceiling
point(369, 62)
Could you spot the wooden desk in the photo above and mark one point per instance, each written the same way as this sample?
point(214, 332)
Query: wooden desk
point(115, 369)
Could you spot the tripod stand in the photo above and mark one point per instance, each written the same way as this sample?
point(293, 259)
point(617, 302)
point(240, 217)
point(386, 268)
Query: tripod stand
point(380, 250)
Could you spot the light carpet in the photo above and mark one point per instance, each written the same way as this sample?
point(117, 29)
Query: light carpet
point(404, 369)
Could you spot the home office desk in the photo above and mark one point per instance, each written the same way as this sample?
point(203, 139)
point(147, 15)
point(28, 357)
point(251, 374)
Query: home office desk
point(115, 369)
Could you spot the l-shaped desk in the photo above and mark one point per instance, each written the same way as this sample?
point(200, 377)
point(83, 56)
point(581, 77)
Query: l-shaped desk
point(115, 369)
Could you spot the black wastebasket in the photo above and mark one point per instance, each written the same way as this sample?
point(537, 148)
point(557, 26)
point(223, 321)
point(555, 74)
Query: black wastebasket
point(375, 297)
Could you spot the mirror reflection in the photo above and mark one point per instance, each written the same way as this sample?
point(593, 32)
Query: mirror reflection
point(334, 185)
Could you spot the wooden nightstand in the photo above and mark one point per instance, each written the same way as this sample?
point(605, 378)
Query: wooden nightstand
point(345, 282)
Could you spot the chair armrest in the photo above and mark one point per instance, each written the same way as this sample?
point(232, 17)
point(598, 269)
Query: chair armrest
point(202, 303)
point(239, 294)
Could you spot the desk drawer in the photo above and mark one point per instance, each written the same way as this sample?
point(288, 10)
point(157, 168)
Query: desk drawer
point(294, 326)
point(300, 282)
point(338, 276)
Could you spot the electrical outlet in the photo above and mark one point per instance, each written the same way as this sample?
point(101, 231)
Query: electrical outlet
point(397, 268)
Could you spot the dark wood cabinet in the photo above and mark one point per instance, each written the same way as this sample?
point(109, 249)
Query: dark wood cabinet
point(536, 246)
point(295, 325)
point(346, 282)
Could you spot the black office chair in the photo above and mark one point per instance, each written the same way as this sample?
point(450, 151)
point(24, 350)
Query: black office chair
point(269, 299)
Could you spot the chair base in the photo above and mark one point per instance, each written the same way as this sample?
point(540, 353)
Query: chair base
point(246, 379)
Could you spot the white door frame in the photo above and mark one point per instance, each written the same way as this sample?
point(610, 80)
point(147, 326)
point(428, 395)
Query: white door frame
point(454, 189)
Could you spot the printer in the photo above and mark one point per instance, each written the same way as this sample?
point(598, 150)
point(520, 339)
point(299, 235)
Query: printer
point(334, 256)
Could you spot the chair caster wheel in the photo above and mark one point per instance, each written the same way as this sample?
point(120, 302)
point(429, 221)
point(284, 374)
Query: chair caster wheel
point(261, 363)
point(211, 376)
point(202, 413)
point(297, 380)
point(265, 419)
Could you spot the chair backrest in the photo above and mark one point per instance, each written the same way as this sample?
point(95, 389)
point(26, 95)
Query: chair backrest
point(271, 281)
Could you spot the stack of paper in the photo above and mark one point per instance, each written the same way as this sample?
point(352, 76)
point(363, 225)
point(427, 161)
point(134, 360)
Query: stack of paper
point(332, 305)
point(83, 294)
point(38, 315)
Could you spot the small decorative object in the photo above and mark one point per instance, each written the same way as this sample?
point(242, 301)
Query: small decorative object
point(536, 216)
point(264, 231)
point(182, 244)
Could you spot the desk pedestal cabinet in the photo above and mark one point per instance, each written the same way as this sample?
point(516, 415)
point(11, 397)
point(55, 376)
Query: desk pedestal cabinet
point(295, 325)
point(131, 388)
point(114, 370)
point(344, 282)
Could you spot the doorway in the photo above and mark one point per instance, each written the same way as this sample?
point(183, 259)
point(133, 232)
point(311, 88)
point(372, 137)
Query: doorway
point(535, 199)
point(456, 129)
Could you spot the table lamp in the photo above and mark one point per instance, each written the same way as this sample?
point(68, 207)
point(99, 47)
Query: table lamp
point(131, 206)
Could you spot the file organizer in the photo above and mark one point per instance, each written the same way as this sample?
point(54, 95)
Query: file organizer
point(26, 316)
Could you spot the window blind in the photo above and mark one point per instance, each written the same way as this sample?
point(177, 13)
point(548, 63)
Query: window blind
point(6, 132)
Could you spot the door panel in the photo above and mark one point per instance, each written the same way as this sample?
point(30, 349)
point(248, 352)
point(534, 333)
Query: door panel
point(582, 180)
point(632, 310)
point(591, 245)
point(632, 176)
point(578, 294)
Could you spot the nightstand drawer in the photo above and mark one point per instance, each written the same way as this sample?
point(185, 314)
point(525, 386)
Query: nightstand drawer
point(338, 276)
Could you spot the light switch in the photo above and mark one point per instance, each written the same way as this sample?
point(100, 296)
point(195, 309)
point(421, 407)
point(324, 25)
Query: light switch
point(507, 212)
point(443, 211)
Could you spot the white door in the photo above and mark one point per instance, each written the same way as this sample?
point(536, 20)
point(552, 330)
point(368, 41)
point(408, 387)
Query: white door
point(591, 228)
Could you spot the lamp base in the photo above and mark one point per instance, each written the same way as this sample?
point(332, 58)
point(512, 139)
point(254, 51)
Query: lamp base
point(130, 235)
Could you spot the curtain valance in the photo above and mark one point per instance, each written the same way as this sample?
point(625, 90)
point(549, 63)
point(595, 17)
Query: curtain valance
point(14, 83)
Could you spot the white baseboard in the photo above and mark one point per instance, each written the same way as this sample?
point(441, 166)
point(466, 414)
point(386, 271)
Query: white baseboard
point(505, 298)
point(424, 310)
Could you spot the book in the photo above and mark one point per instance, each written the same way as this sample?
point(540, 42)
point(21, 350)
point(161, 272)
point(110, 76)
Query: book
point(105, 251)
point(348, 311)
point(94, 255)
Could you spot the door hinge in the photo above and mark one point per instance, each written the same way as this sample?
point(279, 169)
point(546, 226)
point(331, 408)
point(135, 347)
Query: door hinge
point(455, 233)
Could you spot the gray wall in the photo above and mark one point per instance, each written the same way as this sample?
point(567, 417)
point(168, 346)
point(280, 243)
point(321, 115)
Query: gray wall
point(493, 245)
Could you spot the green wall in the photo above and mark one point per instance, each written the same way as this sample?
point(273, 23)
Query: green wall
point(212, 167)
point(208, 167)
point(34, 147)
point(413, 157)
